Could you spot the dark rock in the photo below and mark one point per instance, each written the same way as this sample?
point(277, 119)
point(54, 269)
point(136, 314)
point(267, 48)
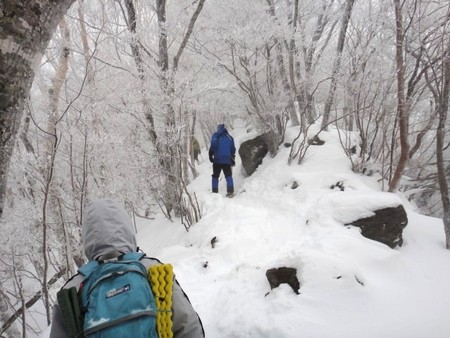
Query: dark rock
point(386, 226)
point(287, 145)
point(367, 172)
point(316, 141)
point(277, 276)
point(339, 185)
point(214, 240)
point(294, 185)
point(252, 153)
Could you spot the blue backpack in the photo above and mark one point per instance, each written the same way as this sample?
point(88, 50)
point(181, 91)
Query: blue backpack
point(222, 146)
point(117, 300)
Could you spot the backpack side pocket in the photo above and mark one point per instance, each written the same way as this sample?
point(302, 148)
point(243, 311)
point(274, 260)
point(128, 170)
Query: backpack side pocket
point(71, 311)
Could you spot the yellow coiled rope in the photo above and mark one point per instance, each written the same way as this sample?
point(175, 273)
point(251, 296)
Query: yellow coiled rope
point(161, 280)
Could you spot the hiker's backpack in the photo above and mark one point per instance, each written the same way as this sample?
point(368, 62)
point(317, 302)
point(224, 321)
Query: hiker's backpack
point(117, 300)
point(85, 315)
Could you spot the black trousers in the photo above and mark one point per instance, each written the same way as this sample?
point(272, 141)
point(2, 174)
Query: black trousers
point(218, 168)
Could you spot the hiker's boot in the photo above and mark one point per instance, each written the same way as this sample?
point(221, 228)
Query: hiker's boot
point(230, 186)
point(230, 191)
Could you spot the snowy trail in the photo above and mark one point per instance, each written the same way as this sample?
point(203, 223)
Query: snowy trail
point(350, 286)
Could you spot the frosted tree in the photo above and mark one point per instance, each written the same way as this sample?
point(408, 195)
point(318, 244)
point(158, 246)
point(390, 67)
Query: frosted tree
point(313, 46)
point(21, 48)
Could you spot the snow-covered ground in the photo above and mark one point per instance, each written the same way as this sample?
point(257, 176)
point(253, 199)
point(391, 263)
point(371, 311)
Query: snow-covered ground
point(351, 286)
point(268, 224)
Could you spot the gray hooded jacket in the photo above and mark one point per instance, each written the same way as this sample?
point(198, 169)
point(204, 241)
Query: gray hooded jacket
point(107, 228)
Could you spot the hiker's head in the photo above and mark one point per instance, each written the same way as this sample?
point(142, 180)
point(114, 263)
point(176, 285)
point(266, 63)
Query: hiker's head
point(220, 127)
point(107, 227)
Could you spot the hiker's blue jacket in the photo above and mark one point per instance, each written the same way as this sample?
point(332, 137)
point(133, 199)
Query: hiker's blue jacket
point(222, 147)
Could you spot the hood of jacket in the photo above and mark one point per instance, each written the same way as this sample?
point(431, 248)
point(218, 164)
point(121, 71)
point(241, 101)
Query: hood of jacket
point(221, 129)
point(107, 227)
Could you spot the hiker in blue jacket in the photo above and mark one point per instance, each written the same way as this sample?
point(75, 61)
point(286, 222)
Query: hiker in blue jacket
point(222, 154)
point(107, 233)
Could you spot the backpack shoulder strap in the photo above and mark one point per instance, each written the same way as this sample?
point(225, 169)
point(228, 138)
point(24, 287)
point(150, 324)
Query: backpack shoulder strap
point(133, 256)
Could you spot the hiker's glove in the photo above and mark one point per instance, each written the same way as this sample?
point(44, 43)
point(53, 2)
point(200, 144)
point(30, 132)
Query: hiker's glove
point(211, 157)
point(233, 160)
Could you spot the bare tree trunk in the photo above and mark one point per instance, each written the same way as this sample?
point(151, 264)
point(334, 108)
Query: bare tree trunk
point(309, 53)
point(171, 158)
point(293, 51)
point(188, 34)
point(80, 196)
point(163, 49)
point(440, 134)
point(45, 227)
point(402, 108)
point(283, 73)
point(19, 284)
point(74, 248)
point(84, 41)
point(168, 152)
point(136, 52)
point(58, 80)
point(49, 204)
point(191, 139)
point(337, 63)
point(26, 31)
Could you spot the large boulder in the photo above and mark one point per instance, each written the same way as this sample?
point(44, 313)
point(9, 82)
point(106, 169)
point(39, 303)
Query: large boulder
point(386, 226)
point(252, 153)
